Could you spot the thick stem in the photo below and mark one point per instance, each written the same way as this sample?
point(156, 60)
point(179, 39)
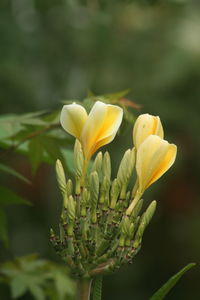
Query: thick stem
point(84, 289)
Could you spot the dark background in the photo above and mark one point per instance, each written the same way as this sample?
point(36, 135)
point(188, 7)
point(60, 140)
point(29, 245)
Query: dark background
point(52, 50)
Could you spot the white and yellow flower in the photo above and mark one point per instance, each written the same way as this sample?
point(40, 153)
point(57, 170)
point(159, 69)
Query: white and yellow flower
point(154, 157)
point(146, 125)
point(94, 130)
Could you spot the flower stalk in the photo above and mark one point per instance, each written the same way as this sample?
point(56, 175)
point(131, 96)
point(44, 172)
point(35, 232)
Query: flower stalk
point(84, 289)
point(101, 224)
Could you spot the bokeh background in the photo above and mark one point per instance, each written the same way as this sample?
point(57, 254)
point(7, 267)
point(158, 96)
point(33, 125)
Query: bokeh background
point(53, 50)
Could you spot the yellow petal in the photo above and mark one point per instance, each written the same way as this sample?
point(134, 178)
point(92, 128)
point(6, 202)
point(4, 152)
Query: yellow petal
point(167, 162)
point(101, 127)
point(146, 125)
point(154, 157)
point(100, 144)
point(73, 118)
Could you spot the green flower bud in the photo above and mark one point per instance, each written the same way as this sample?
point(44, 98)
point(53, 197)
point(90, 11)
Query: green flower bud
point(69, 190)
point(97, 165)
point(69, 187)
point(114, 193)
point(84, 202)
point(60, 174)
point(126, 169)
point(104, 193)
point(71, 208)
point(137, 209)
point(106, 165)
point(78, 159)
point(94, 194)
point(144, 221)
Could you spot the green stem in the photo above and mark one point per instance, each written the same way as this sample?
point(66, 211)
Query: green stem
point(133, 203)
point(84, 289)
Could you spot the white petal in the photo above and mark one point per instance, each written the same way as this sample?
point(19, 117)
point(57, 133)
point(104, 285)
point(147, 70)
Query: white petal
point(73, 118)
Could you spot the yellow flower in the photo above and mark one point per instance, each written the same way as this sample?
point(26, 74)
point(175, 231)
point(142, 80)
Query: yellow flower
point(146, 125)
point(94, 130)
point(154, 157)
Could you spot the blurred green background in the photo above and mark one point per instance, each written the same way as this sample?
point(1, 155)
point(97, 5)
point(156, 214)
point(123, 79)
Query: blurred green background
point(53, 50)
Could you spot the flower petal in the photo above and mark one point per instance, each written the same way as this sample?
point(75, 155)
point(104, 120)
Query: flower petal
point(73, 118)
point(101, 143)
point(146, 125)
point(100, 127)
point(154, 157)
point(166, 163)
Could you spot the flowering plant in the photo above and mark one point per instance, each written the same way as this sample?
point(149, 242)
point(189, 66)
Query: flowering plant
point(101, 227)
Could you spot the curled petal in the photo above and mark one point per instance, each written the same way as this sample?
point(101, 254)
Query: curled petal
point(73, 118)
point(101, 127)
point(154, 157)
point(146, 125)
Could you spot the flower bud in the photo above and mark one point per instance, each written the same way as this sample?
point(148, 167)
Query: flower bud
point(71, 208)
point(78, 159)
point(144, 221)
point(106, 165)
point(126, 167)
point(114, 193)
point(97, 165)
point(146, 125)
point(61, 177)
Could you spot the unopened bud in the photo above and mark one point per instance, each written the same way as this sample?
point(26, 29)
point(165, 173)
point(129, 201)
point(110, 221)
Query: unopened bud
point(106, 165)
point(78, 159)
point(97, 165)
point(114, 193)
point(71, 208)
point(60, 174)
point(144, 221)
point(126, 167)
point(94, 189)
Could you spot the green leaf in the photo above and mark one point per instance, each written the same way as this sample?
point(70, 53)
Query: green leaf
point(97, 288)
point(12, 124)
point(13, 172)
point(9, 197)
point(37, 276)
point(165, 289)
point(117, 96)
point(51, 146)
point(3, 228)
point(35, 153)
point(9, 126)
point(63, 285)
point(31, 118)
point(37, 291)
point(18, 286)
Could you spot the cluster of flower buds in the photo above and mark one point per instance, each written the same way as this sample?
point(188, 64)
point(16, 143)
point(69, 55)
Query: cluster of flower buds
point(101, 226)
